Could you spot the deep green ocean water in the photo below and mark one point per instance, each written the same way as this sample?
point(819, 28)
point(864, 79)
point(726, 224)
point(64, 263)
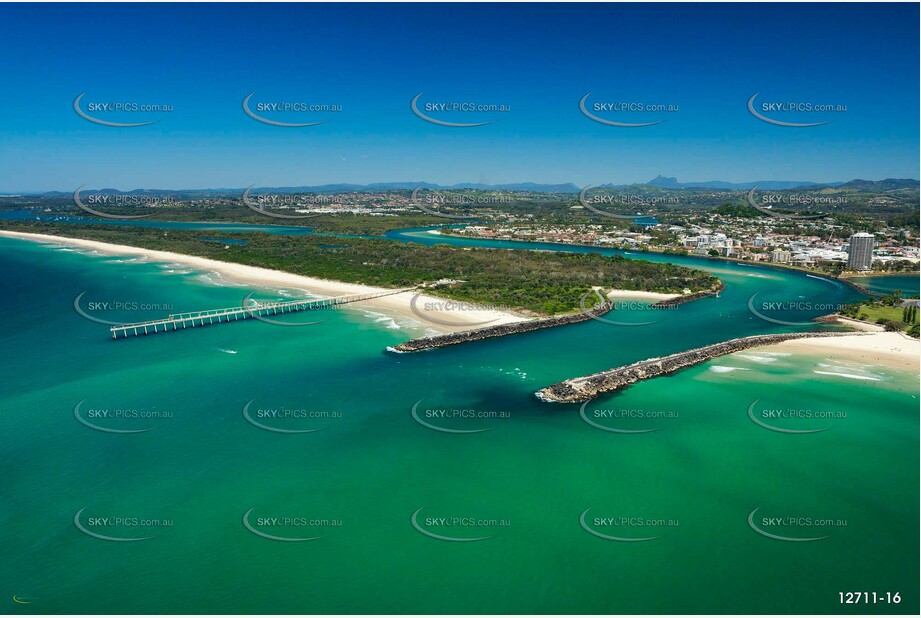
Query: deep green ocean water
point(356, 483)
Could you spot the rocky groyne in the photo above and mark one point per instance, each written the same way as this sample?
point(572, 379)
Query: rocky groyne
point(861, 325)
point(439, 341)
point(588, 387)
point(686, 298)
point(856, 286)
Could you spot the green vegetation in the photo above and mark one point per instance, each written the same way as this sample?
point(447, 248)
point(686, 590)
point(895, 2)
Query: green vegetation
point(360, 225)
point(738, 210)
point(886, 312)
point(540, 282)
point(896, 266)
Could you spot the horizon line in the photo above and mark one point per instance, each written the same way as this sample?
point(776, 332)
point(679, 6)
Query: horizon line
point(7, 193)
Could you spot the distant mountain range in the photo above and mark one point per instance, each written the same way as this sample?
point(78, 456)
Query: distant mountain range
point(777, 185)
point(659, 182)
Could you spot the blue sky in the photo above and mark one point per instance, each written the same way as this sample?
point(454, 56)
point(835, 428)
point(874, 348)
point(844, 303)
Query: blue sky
point(372, 60)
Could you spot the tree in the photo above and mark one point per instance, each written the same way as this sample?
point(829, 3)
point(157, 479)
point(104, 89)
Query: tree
point(888, 324)
point(835, 269)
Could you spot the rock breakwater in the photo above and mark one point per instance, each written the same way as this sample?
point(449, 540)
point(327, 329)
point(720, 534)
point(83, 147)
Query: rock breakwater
point(587, 387)
point(439, 341)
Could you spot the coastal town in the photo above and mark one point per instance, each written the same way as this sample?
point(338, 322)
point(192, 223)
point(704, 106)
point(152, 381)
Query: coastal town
point(817, 245)
point(877, 234)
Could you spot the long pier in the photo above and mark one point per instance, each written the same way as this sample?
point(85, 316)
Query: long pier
point(180, 321)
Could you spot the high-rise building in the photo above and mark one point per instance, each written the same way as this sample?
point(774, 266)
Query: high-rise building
point(860, 252)
point(780, 256)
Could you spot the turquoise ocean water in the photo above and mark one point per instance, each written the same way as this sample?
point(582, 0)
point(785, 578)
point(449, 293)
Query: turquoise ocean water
point(907, 283)
point(185, 485)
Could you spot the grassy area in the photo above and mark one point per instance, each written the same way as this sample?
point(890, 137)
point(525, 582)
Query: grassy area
point(873, 313)
point(890, 316)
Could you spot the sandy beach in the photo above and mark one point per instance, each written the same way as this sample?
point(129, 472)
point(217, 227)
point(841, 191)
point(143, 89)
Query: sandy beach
point(895, 350)
point(865, 327)
point(639, 295)
point(431, 312)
